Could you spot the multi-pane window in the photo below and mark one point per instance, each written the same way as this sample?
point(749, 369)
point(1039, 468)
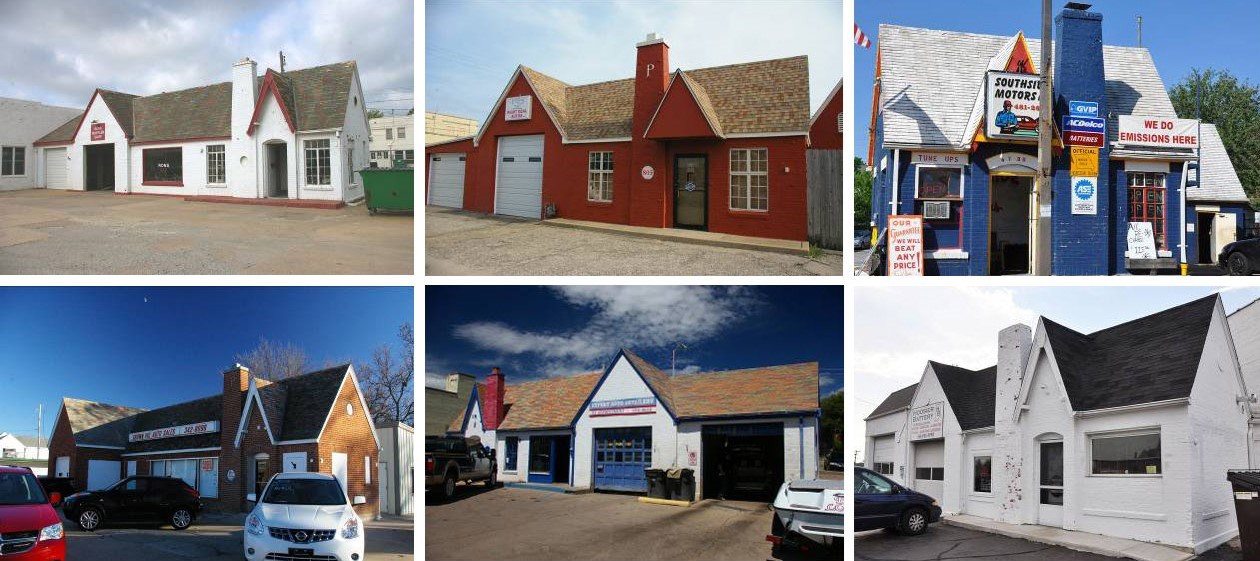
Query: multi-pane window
point(164, 166)
point(982, 474)
point(201, 474)
point(750, 179)
point(402, 133)
point(389, 134)
point(318, 162)
point(509, 453)
point(599, 186)
point(216, 164)
point(407, 156)
point(930, 473)
point(12, 160)
point(1128, 454)
point(885, 468)
point(1146, 202)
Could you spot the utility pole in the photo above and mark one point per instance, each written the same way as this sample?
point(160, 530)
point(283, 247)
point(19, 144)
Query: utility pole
point(282, 62)
point(1139, 31)
point(673, 358)
point(39, 430)
point(1041, 263)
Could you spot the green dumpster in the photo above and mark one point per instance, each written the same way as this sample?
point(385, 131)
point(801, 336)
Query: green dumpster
point(389, 189)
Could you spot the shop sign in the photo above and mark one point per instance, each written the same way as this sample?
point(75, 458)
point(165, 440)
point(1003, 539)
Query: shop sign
point(905, 246)
point(938, 158)
point(631, 406)
point(518, 108)
point(1141, 241)
point(1011, 161)
point(691, 458)
point(207, 465)
point(1084, 195)
point(1083, 108)
point(98, 131)
point(1160, 132)
point(1084, 160)
point(1078, 138)
point(1085, 124)
point(172, 432)
point(927, 422)
point(1012, 105)
point(648, 172)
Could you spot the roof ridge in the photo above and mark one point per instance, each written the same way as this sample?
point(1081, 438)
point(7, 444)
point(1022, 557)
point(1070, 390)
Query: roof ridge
point(997, 36)
point(218, 395)
point(225, 83)
point(1135, 320)
point(736, 370)
point(751, 62)
point(546, 75)
point(65, 398)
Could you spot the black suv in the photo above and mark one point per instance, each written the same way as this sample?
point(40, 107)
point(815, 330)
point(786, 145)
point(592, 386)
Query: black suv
point(136, 499)
point(881, 503)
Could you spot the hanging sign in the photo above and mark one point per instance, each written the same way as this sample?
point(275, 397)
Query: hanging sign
point(927, 422)
point(905, 246)
point(1084, 195)
point(518, 108)
point(1012, 105)
point(1160, 132)
point(1141, 241)
point(98, 131)
point(1084, 160)
point(1083, 108)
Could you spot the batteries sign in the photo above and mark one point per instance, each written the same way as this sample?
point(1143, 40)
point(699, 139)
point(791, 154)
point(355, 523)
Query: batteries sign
point(1077, 138)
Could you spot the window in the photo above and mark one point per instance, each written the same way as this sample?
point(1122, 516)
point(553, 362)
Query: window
point(389, 134)
point(982, 474)
point(201, 474)
point(367, 469)
point(318, 162)
point(1146, 202)
point(407, 156)
point(930, 474)
point(599, 177)
point(402, 133)
point(164, 166)
point(216, 164)
point(1126, 454)
point(12, 160)
point(750, 179)
point(509, 453)
point(870, 484)
point(884, 468)
point(938, 182)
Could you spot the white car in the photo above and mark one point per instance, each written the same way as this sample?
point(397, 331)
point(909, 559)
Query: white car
point(810, 510)
point(303, 516)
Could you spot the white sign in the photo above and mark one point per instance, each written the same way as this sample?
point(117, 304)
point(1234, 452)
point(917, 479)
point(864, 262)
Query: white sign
point(1141, 240)
point(1084, 195)
point(927, 422)
point(1157, 131)
point(630, 406)
point(1012, 105)
point(648, 172)
point(519, 108)
point(172, 432)
point(938, 158)
point(905, 246)
point(1011, 161)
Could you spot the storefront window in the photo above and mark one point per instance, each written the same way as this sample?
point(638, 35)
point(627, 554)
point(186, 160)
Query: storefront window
point(599, 186)
point(216, 164)
point(750, 179)
point(1146, 202)
point(164, 166)
point(540, 455)
point(509, 453)
point(1129, 454)
point(938, 182)
point(318, 162)
point(982, 474)
point(201, 474)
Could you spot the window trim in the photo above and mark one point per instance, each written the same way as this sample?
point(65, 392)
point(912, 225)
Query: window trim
point(1128, 188)
point(306, 164)
point(223, 156)
point(400, 133)
point(962, 182)
point(1147, 431)
point(730, 179)
point(144, 164)
point(975, 457)
point(13, 150)
point(515, 455)
point(602, 172)
point(197, 464)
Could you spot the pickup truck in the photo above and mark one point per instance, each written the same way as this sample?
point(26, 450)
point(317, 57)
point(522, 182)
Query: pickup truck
point(451, 459)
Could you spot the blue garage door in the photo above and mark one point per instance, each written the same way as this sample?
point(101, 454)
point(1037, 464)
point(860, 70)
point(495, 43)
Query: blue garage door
point(621, 455)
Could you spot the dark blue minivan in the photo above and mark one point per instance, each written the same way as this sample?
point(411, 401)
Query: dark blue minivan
point(881, 503)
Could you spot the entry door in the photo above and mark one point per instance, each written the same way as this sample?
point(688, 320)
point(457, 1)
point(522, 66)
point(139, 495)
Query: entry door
point(382, 475)
point(691, 192)
point(1224, 230)
point(1011, 223)
point(63, 466)
point(542, 459)
point(1050, 478)
point(339, 471)
point(621, 455)
point(260, 473)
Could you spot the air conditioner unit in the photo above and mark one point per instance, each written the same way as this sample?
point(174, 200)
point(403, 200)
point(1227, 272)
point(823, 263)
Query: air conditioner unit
point(936, 210)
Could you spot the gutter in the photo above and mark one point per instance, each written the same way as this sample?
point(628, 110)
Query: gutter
point(1129, 408)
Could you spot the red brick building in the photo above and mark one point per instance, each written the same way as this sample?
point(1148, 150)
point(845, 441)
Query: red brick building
point(719, 149)
point(826, 127)
point(227, 445)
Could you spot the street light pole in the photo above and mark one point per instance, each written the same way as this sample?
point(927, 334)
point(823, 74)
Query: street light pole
point(1041, 220)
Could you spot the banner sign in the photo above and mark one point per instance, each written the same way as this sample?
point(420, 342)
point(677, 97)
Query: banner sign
point(927, 422)
point(172, 432)
point(98, 131)
point(1012, 105)
point(1157, 131)
point(631, 406)
point(518, 108)
point(1085, 124)
point(1077, 138)
point(905, 246)
point(1083, 108)
point(938, 158)
point(1084, 161)
point(1084, 195)
point(1141, 241)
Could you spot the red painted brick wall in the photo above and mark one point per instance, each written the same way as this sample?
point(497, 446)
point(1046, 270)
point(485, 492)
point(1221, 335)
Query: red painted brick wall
point(461, 147)
point(680, 116)
point(568, 192)
point(62, 444)
point(824, 134)
point(352, 435)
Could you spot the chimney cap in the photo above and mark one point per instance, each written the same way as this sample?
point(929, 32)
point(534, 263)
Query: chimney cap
point(1078, 6)
point(652, 39)
point(236, 366)
point(496, 371)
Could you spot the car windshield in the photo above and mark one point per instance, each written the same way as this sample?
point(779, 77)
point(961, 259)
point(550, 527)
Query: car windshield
point(444, 445)
point(304, 492)
point(20, 489)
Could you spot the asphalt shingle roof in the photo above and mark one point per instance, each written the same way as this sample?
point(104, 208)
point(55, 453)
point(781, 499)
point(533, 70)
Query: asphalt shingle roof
point(120, 104)
point(547, 403)
point(202, 112)
point(1217, 181)
point(895, 401)
point(314, 394)
point(196, 411)
point(63, 133)
point(99, 424)
point(972, 394)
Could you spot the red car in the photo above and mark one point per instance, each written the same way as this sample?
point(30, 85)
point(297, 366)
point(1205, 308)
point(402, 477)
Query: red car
point(30, 529)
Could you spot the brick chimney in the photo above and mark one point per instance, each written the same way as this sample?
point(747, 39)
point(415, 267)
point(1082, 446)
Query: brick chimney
point(1014, 346)
point(493, 399)
point(649, 197)
point(235, 384)
point(651, 77)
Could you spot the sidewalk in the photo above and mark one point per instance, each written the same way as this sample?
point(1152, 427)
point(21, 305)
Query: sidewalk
point(688, 236)
point(1080, 541)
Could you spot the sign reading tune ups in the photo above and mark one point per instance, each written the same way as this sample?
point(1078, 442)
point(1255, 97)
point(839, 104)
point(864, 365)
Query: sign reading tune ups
point(1012, 105)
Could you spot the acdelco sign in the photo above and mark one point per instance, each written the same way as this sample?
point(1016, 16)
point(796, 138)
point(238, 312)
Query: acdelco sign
point(1156, 131)
point(172, 432)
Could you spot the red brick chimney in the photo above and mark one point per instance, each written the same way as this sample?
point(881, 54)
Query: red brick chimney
point(235, 384)
point(651, 77)
point(648, 203)
point(493, 399)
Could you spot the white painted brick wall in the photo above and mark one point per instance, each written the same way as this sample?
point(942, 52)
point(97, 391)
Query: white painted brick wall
point(21, 124)
point(623, 382)
point(113, 134)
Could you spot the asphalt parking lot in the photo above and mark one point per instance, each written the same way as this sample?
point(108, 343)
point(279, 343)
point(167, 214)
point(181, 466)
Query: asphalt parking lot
point(216, 538)
point(950, 542)
point(63, 232)
point(465, 243)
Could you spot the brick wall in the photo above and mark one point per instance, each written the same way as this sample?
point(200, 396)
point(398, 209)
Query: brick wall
point(352, 435)
point(235, 384)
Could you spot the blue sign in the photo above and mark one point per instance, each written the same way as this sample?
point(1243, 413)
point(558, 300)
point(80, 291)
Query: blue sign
point(1084, 124)
point(1083, 108)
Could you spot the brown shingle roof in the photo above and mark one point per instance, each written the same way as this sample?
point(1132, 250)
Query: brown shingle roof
point(63, 133)
point(659, 381)
point(791, 388)
point(120, 105)
point(196, 411)
point(551, 92)
point(701, 96)
point(600, 110)
point(99, 424)
point(547, 403)
point(201, 112)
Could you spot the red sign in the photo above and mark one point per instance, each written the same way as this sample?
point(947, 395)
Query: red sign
point(207, 465)
point(98, 131)
point(1077, 138)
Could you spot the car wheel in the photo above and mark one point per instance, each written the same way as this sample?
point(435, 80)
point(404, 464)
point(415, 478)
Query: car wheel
point(448, 486)
point(181, 518)
point(1238, 265)
point(89, 519)
point(914, 521)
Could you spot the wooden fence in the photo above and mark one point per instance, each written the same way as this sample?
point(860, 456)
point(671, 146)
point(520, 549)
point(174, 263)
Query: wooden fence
point(826, 215)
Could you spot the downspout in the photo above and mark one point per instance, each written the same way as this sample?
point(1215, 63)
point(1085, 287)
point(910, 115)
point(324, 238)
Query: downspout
point(572, 447)
point(800, 440)
point(896, 185)
point(1185, 170)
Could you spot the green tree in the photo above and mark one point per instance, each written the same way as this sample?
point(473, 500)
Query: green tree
point(375, 114)
point(862, 181)
point(1233, 105)
point(831, 431)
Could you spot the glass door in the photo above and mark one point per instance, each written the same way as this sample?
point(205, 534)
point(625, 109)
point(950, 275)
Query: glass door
point(1050, 509)
point(691, 192)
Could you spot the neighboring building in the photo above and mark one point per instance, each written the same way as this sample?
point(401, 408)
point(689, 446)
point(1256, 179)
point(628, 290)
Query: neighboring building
point(14, 447)
point(826, 127)
point(440, 404)
point(600, 430)
point(21, 124)
point(300, 134)
point(719, 149)
point(228, 445)
point(397, 468)
point(393, 138)
point(953, 139)
point(439, 127)
point(1126, 432)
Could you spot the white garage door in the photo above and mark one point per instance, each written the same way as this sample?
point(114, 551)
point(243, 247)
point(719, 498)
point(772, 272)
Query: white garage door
point(929, 468)
point(882, 459)
point(518, 187)
point(55, 168)
point(446, 180)
point(103, 473)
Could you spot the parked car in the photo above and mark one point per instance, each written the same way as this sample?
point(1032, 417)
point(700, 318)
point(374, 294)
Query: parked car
point(303, 516)
point(136, 499)
point(808, 514)
point(882, 503)
point(451, 459)
point(63, 486)
point(753, 474)
point(834, 460)
point(29, 524)
point(861, 239)
point(1240, 257)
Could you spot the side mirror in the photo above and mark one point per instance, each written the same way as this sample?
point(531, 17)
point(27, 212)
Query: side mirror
point(55, 499)
point(251, 498)
point(359, 500)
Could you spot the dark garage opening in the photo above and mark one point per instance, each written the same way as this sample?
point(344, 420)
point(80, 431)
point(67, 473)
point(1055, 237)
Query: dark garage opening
point(98, 167)
point(752, 455)
point(1204, 233)
point(561, 474)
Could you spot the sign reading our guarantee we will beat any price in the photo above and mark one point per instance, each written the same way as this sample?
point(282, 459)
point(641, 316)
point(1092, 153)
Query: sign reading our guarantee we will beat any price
point(905, 246)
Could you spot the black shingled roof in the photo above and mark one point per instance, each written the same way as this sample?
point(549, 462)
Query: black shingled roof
point(196, 411)
point(316, 392)
point(970, 393)
point(895, 401)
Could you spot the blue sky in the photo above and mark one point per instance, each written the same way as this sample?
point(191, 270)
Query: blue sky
point(151, 347)
point(1179, 35)
point(534, 332)
point(472, 48)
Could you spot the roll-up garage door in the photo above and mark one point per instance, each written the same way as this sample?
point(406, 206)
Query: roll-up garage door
point(621, 455)
point(518, 185)
point(446, 180)
point(882, 458)
point(55, 168)
point(103, 473)
point(929, 467)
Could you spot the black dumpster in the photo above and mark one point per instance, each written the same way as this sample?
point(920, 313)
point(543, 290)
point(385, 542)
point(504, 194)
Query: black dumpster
point(656, 483)
point(1247, 507)
point(687, 485)
point(673, 483)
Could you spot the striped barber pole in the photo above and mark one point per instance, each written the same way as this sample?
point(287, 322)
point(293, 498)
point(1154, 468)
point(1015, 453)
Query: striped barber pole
point(860, 39)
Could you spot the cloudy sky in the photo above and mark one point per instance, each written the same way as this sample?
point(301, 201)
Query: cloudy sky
point(534, 332)
point(59, 51)
point(588, 42)
point(960, 326)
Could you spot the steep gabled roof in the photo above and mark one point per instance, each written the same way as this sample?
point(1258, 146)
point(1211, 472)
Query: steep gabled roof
point(63, 133)
point(99, 424)
point(972, 394)
point(789, 388)
point(313, 395)
point(546, 403)
point(120, 104)
point(658, 380)
point(896, 401)
point(1218, 180)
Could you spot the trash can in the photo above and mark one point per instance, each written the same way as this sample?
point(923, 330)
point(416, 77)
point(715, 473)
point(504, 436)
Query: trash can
point(389, 189)
point(687, 485)
point(1247, 507)
point(656, 483)
point(673, 483)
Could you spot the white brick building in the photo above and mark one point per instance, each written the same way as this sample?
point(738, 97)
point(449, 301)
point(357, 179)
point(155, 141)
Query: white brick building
point(21, 124)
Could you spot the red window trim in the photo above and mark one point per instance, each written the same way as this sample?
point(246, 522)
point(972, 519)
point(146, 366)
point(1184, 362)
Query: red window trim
point(163, 183)
point(144, 160)
point(1163, 203)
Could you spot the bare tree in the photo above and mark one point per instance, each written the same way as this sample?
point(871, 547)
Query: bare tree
point(275, 361)
point(388, 380)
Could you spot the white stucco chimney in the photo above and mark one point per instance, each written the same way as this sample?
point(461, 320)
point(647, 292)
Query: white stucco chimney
point(1014, 344)
point(242, 160)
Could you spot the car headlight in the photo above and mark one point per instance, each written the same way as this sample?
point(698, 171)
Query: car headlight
point(53, 532)
point(350, 529)
point(254, 525)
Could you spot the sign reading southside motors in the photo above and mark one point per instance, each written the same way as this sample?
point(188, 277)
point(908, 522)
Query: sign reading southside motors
point(1012, 105)
point(1136, 130)
point(631, 406)
point(172, 432)
point(927, 422)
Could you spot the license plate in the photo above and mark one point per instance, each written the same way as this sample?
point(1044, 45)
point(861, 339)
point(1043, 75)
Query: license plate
point(301, 551)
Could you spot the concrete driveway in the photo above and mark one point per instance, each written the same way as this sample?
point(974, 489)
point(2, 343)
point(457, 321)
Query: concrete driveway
point(61, 232)
point(949, 542)
point(464, 243)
